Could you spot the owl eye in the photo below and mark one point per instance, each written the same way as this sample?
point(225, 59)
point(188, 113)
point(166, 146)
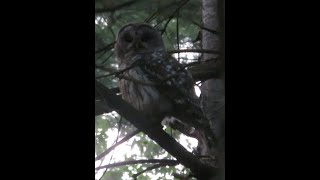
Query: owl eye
point(146, 37)
point(127, 37)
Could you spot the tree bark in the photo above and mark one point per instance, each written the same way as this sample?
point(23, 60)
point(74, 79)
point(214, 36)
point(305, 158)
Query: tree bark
point(212, 90)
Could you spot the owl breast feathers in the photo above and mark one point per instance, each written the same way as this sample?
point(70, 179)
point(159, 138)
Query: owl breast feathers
point(154, 83)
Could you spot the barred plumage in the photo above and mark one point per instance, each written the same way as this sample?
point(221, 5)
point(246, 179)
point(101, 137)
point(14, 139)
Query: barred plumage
point(155, 83)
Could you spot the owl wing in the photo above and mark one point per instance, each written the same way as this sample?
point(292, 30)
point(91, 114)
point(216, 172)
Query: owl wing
point(171, 77)
point(175, 82)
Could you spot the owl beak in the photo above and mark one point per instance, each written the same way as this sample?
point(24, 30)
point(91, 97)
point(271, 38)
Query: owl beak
point(139, 44)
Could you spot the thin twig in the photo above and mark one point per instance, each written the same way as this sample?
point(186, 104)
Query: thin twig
point(107, 69)
point(107, 47)
point(178, 40)
point(115, 142)
point(121, 76)
point(116, 73)
point(168, 38)
point(172, 15)
point(126, 138)
point(116, 7)
point(136, 162)
point(194, 51)
point(202, 27)
point(155, 14)
point(154, 167)
point(100, 55)
point(107, 58)
point(100, 164)
point(112, 32)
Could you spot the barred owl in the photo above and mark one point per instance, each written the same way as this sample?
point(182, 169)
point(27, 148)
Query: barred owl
point(154, 82)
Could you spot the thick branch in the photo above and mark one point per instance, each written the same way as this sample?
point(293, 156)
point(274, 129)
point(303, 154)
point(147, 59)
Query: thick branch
point(101, 108)
point(155, 132)
point(126, 138)
point(200, 62)
point(180, 126)
point(202, 72)
point(137, 162)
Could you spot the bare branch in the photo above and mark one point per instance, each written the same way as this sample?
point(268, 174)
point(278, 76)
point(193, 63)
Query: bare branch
point(121, 76)
point(107, 69)
point(202, 27)
point(168, 6)
point(106, 48)
point(155, 132)
point(172, 15)
point(212, 68)
point(155, 167)
point(181, 177)
point(112, 32)
point(107, 58)
point(126, 138)
point(101, 108)
point(200, 62)
point(116, 73)
point(181, 126)
point(209, 51)
point(168, 161)
point(116, 7)
point(177, 34)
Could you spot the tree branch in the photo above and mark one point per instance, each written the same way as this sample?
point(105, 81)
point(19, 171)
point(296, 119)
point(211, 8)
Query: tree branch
point(111, 54)
point(202, 27)
point(121, 76)
point(155, 167)
point(166, 7)
point(180, 126)
point(107, 47)
point(212, 68)
point(168, 161)
point(172, 15)
point(200, 62)
point(101, 108)
point(126, 138)
point(116, 73)
point(200, 71)
point(116, 7)
point(209, 51)
point(155, 132)
point(107, 69)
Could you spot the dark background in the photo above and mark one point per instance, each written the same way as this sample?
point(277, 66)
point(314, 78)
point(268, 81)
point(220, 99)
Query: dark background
point(48, 89)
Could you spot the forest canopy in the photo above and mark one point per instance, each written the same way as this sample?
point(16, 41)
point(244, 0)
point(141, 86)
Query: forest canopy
point(123, 150)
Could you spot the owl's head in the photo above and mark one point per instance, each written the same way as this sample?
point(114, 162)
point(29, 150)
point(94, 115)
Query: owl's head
point(137, 38)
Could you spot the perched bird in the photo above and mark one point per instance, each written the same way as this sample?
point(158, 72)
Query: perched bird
point(154, 82)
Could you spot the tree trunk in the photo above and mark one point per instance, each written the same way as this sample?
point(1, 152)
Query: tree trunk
point(212, 90)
